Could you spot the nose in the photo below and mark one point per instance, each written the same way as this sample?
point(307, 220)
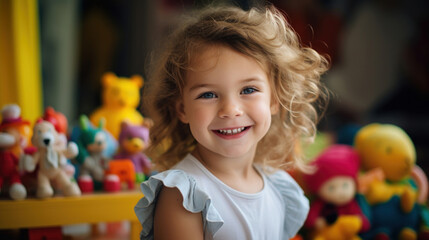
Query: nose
point(230, 108)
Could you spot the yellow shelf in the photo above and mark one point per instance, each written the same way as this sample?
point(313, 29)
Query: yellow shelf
point(57, 211)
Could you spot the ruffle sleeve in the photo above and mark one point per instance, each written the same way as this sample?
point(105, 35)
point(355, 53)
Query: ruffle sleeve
point(296, 203)
point(194, 200)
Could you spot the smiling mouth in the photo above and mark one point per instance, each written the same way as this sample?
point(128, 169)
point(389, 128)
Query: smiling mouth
point(231, 131)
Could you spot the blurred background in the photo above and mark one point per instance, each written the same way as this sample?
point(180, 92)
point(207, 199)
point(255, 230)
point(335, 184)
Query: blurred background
point(379, 52)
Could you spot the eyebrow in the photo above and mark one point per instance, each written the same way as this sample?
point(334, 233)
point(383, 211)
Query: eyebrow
point(245, 81)
point(202, 85)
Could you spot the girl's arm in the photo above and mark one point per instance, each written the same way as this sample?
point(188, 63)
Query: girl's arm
point(173, 221)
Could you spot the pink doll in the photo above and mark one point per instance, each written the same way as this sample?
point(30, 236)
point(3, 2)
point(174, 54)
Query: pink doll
point(334, 185)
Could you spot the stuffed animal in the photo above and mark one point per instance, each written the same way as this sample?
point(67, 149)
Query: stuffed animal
point(133, 140)
point(49, 160)
point(60, 123)
point(395, 213)
point(336, 212)
point(91, 160)
point(14, 137)
point(121, 97)
point(57, 119)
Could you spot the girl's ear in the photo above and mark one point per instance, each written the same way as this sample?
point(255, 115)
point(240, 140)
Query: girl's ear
point(180, 109)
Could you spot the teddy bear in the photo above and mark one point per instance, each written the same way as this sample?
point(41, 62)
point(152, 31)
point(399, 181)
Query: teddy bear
point(14, 137)
point(49, 159)
point(393, 196)
point(133, 140)
point(336, 210)
point(120, 98)
point(91, 160)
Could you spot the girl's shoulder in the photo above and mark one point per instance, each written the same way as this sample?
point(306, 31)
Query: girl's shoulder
point(288, 188)
point(282, 180)
point(296, 204)
point(182, 177)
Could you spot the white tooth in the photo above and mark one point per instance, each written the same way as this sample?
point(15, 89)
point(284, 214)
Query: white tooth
point(234, 131)
point(229, 131)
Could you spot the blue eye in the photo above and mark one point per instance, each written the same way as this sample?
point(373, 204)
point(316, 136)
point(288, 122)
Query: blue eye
point(248, 90)
point(207, 95)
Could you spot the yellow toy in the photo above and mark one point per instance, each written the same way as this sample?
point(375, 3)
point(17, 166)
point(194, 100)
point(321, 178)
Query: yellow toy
point(121, 96)
point(345, 228)
point(389, 148)
point(388, 151)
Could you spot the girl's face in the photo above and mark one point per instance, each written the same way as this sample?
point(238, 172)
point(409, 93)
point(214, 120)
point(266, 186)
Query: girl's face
point(226, 102)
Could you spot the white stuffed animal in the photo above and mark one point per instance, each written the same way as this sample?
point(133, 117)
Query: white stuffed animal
point(51, 158)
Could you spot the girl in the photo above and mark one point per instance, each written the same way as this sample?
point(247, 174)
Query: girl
point(233, 95)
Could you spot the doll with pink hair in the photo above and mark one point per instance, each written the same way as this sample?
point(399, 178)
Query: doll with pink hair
point(334, 185)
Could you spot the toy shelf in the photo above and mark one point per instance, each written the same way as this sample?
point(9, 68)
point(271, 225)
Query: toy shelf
point(57, 211)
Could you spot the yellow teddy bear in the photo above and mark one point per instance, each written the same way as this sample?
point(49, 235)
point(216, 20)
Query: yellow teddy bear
point(121, 96)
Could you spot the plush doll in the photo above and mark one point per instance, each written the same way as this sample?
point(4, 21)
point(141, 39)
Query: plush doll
point(9, 168)
point(335, 211)
point(59, 121)
point(91, 160)
point(121, 96)
point(13, 124)
point(14, 137)
point(394, 210)
point(133, 140)
point(50, 160)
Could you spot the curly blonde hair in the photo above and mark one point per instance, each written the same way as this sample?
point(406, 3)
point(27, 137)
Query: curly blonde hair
point(263, 34)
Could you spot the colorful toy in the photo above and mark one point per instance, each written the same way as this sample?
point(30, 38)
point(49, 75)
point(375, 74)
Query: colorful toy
point(9, 168)
point(92, 163)
point(124, 169)
point(49, 160)
point(13, 139)
point(57, 119)
point(133, 140)
point(60, 123)
point(111, 143)
point(13, 124)
point(336, 211)
point(394, 210)
point(121, 97)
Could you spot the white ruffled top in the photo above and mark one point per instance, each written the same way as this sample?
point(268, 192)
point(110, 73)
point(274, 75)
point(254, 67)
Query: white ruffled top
point(278, 211)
